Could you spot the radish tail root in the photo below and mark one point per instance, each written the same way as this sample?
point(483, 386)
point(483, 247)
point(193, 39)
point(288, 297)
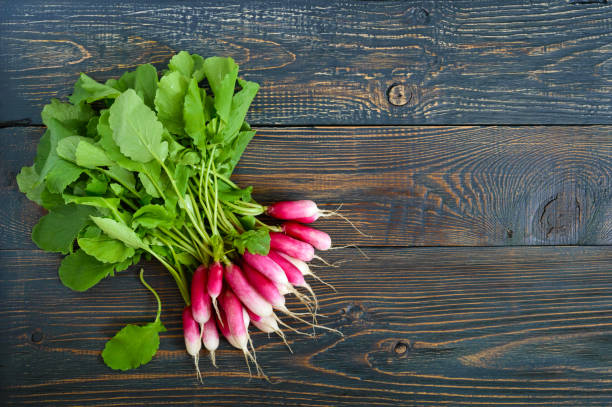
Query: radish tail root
point(354, 246)
point(325, 213)
point(212, 358)
point(214, 303)
point(196, 361)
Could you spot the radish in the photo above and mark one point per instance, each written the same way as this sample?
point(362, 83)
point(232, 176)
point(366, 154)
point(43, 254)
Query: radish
point(210, 338)
point(317, 238)
point(191, 331)
point(200, 300)
point(266, 266)
point(288, 210)
point(248, 295)
point(304, 269)
point(224, 328)
point(308, 219)
point(253, 317)
point(234, 314)
point(293, 247)
point(215, 283)
point(266, 288)
point(294, 275)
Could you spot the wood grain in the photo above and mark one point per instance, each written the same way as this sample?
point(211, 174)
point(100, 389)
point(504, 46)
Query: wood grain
point(338, 62)
point(417, 186)
point(422, 326)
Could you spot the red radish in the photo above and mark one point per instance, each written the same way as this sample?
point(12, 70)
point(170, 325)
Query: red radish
point(248, 295)
point(266, 266)
point(294, 275)
point(317, 238)
point(304, 269)
point(224, 328)
point(309, 219)
point(266, 288)
point(267, 325)
point(200, 300)
point(210, 338)
point(293, 247)
point(288, 210)
point(253, 317)
point(234, 314)
point(215, 283)
point(191, 331)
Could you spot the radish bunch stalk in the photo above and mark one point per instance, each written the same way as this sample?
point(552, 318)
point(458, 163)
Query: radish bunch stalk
point(140, 168)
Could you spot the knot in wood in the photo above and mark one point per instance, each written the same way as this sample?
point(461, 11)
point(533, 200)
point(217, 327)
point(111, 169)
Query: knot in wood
point(417, 15)
point(37, 336)
point(400, 348)
point(560, 216)
point(398, 94)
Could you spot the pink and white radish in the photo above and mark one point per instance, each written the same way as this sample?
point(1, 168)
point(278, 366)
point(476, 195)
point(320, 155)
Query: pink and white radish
point(210, 338)
point(266, 288)
point(266, 266)
point(317, 238)
point(215, 283)
point(200, 300)
point(289, 210)
point(191, 332)
point(292, 247)
point(245, 291)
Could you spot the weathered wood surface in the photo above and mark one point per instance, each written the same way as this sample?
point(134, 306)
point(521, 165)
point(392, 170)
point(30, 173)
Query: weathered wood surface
point(422, 326)
point(322, 62)
point(424, 186)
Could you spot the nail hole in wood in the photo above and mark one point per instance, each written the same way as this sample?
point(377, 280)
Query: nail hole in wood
point(37, 336)
point(398, 94)
point(400, 348)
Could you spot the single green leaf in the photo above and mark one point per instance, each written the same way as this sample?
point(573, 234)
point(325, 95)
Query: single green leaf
point(152, 216)
point(231, 194)
point(51, 200)
point(186, 259)
point(79, 271)
point(97, 185)
point(61, 175)
point(198, 67)
point(132, 346)
point(29, 183)
point(56, 231)
point(104, 248)
point(57, 132)
point(66, 148)
point(122, 175)
point(145, 83)
point(89, 90)
point(117, 189)
point(240, 105)
point(248, 222)
point(169, 101)
point(193, 115)
point(256, 241)
point(181, 177)
point(119, 231)
point(42, 151)
point(183, 63)
point(150, 178)
point(136, 129)
point(91, 156)
point(95, 201)
point(221, 74)
point(74, 117)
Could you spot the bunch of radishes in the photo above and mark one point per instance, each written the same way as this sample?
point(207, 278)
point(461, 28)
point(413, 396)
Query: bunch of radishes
point(250, 288)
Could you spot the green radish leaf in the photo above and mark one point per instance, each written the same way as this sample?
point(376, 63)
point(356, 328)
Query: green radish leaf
point(66, 148)
point(90, 156)
point(169, 101)
point(56, 231)
point(240, 105)
point(248, 222)
point(97, 186)
point(120, 232)
point(79, 271)
point(145, 83)
point(61, 175)
point(229, 158)
point(230, 194)
point(152, 216)
point(183, 63)
point(181, 176)
point(132, 346)
point(89, 90)
point(51, 200)
point(104, 248)
point(73, 117)
point(193, 115)
point(221, 74)
point(136, 129)
point(124, 176)
point(96, 201)
point(186, 259)
point(255, 241)
point(29, 183)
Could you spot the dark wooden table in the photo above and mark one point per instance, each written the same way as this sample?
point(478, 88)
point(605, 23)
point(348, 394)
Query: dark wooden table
point(471, 139)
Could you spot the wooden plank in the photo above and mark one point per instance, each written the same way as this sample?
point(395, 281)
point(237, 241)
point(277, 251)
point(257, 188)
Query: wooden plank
point(422, 326)
point(418, 186)
point(333, 62)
